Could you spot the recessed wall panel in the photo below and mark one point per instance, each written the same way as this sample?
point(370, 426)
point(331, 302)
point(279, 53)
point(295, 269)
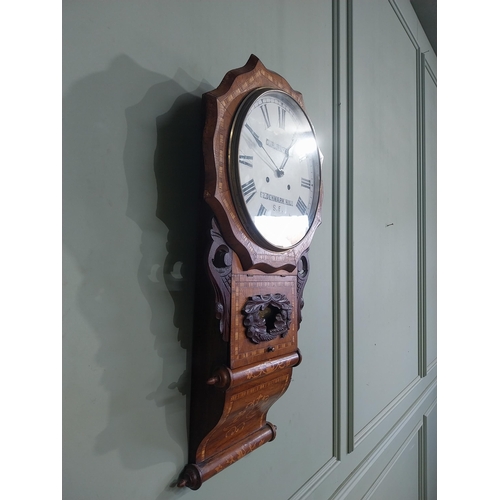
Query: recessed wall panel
point(384, 210)
point(430, 419)
point(400, 479)
point(133, 76)
point(430, 137)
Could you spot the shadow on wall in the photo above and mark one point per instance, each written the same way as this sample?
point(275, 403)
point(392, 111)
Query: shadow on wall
point(161, 161)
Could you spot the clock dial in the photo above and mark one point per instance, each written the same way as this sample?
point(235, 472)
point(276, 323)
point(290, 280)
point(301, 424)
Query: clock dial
point(275, 169)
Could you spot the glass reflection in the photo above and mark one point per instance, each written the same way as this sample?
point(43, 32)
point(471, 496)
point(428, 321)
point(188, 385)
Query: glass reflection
point(283, 232)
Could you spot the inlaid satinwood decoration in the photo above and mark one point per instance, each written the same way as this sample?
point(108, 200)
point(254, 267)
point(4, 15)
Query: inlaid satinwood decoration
point(263, 196)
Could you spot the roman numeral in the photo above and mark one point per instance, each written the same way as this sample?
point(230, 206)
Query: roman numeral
point(305, 183)
point(246, 160)
point(281, 117)
point(262, 210)
point(301, 206)
point(248, 189)
point(265, 112)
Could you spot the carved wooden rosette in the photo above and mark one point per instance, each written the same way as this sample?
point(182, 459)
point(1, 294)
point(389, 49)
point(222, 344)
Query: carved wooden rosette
point(245, 342)
point(267, 317)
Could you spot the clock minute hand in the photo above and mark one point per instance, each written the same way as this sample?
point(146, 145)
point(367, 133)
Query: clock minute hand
point(259, 143)
point(255, 136)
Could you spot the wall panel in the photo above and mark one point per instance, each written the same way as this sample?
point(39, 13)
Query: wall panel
point(400, 478)
point(430, 456)
point(382, 117)
point(384, 211)
point(133, 78)
point(430, 103)
point(359, 419)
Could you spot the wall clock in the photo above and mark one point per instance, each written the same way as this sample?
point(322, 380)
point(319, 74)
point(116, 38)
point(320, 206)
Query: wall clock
point(263, 188)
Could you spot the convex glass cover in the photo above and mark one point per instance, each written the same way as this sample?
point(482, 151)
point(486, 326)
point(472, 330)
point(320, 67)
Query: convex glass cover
point(274, 168)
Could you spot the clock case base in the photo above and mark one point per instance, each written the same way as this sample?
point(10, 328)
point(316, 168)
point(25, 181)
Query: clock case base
point(230, 396)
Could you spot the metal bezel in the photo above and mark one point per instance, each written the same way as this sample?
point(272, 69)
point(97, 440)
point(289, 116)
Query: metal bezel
point(234, 177)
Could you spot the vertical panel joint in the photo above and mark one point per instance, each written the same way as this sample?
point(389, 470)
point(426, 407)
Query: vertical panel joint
point(421, 217)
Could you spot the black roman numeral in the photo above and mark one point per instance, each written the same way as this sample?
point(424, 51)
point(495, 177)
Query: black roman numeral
point(246, 160)
point(265, 112)
point(262, 210)
point(248, 189)
point(301, 206)
point(281, 117)
point(306, 183)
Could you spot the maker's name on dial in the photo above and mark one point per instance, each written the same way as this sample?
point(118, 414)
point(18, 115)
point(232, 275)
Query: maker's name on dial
point(276, 199)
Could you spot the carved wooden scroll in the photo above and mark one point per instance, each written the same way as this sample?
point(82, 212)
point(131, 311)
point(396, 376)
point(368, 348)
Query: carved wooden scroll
point(220, 258)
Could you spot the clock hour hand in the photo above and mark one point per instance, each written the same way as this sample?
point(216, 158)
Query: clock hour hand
point(287, 155)
point(283, 163)
point(259, 143)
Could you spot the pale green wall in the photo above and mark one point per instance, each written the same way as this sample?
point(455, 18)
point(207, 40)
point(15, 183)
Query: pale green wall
point(357, 420)
point(134, 72)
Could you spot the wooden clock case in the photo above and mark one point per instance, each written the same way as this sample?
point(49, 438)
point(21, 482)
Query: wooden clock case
point(248, 303)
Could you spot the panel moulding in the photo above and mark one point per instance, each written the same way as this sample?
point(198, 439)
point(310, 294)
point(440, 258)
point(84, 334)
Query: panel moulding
point(425, 69)
point(431, 365)
point(363, 433)
point(350, 482)
point(421, 217)
point(349, 234)
point(336, 307)
point(430, 72)
point(422, 368)
point(315, 481)
point(403, 22)
point(394, 459)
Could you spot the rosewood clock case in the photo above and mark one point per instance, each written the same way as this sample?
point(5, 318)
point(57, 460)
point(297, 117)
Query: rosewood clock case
point(248, 303)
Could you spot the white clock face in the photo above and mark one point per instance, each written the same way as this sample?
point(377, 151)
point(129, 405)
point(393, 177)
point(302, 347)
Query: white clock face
point(275, 169)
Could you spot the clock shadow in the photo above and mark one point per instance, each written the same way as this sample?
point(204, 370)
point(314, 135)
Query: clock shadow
point(169, 252)
point(178, 167)
point(131, 186)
